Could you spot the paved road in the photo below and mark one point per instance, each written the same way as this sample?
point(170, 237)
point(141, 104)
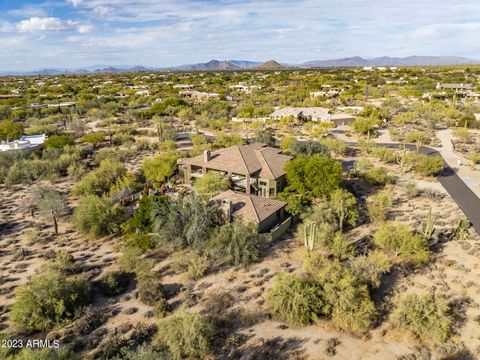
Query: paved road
point(465, 198)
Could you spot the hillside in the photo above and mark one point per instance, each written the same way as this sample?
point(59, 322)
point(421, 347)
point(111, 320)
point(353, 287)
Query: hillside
point(270, 65)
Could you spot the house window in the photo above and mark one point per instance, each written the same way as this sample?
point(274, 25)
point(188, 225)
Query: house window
point(271, 192)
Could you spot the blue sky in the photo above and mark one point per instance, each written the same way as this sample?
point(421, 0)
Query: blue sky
point(75, 33)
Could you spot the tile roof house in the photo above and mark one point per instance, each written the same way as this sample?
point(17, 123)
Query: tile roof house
point(319, 114)
point(254, 168)
point(265, 213)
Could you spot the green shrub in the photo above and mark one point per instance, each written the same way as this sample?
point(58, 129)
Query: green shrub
point(161, 167)
point(380, 203)
point(313, 176)
point(161, 308)
point(196, 268)
point(211, 184)
point(10, 130)
point(114, 283)
point(376, 176)
point(142, 353)
point(350, 303)
point(236, 242)
point(49, 300)
point(400, 239)
point(150, 289)
point(143, 242)
point(43, 354)
point(424, 315)
point(59, 141)
point(142, 219)
point(96, 216)
point(94, 138)
point(100, 180)
point(369, 269)
point(296, 300)
point(308, 148)
point(185, 220)
point(185, 335)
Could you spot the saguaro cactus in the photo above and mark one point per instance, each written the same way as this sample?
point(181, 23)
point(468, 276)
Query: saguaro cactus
point(310, 235)
point(429, 226)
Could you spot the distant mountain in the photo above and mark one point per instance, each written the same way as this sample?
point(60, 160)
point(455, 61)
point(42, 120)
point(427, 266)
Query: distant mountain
point(391, 61)
point(269, 65)
point(218, 65)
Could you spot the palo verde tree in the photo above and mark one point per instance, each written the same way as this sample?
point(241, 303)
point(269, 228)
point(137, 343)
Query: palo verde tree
point(314, 176)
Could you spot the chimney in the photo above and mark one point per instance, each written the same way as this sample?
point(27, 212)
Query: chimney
point(227, 209)
point(206, 155)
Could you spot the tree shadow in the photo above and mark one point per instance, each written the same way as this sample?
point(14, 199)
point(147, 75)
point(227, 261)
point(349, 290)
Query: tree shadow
point(277, 348)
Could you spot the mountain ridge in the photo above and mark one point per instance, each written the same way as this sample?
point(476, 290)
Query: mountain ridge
point(225, 65)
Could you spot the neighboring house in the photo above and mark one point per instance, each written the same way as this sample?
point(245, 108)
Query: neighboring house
point(253, 169)
point(183, 86)
point(319, 114)
point(265, 213)
point(31, 142)
point(454, 87)
point(199, 95)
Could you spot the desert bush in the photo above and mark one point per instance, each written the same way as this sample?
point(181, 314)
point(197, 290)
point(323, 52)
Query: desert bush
point(411, 190)
point(142, 219)
point(350, 303)
point(297, 300)
point(161, 167)
point(91, 318)
point(424, 164)
point(384, 154)
point(309, 148)
point(94, 138)
point(197, 267)
point(48, 300)
point(141, 241)
point(150, 289)
point(100, 180)
point(59, 141)
point(236, 242)
point(130, 258)
point(335, 145)
point(313, 176)
point(400, 239)
point(43, 354)
point(96, 216)
point(426, 316)
point(211, 184)
point(185, 335)
point(161, 308)
point(143, 352)
point(379, 205)
point(370, 268)
point(114, 283)
point(184, 221)
point(376, 176)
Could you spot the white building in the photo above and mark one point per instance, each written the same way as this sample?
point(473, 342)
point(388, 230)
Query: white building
point(31, 142)
point(319, 114)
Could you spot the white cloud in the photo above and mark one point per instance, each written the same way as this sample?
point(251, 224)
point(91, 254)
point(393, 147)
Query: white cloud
point(75, 3)
point(49, 24)
point(36, 24)
point(85, 28)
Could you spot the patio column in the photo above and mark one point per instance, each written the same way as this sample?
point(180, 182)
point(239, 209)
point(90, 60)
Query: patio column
point(247, 184)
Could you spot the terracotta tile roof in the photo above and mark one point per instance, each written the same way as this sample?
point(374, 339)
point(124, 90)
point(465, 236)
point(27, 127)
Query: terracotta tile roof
point(248, 207)
point(244, 160)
